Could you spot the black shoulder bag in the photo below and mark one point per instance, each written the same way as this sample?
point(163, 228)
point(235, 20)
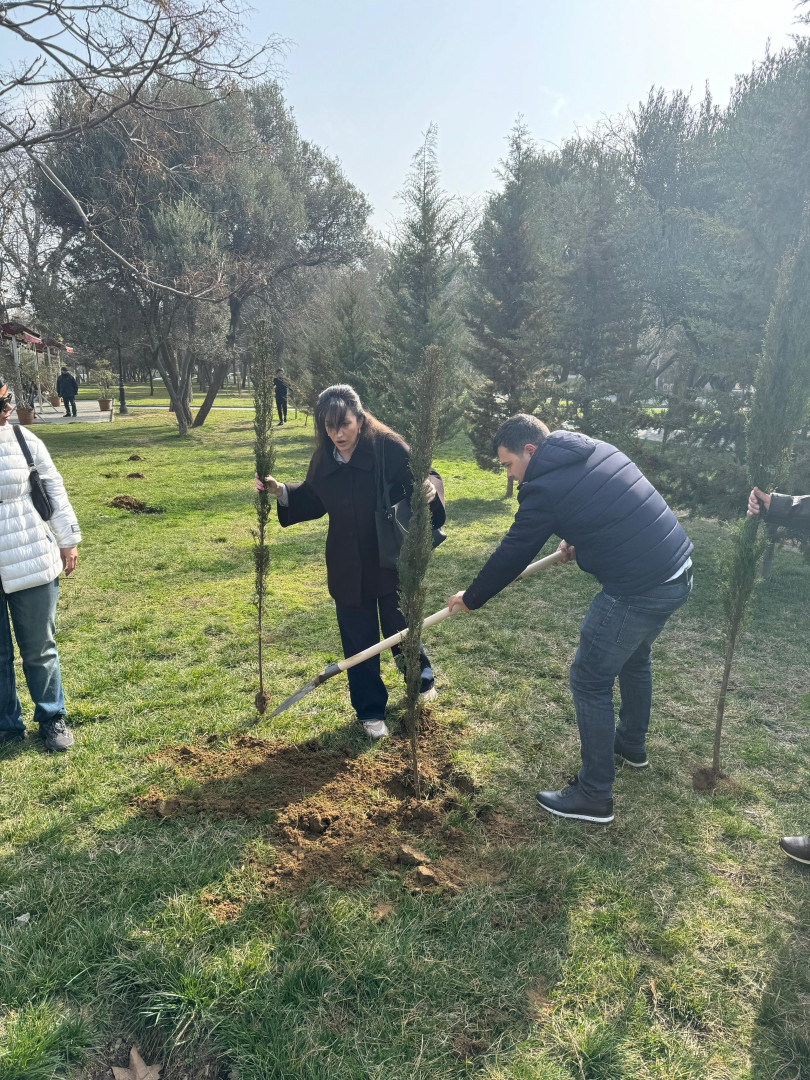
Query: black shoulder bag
point(392, 519)
point(39, 496)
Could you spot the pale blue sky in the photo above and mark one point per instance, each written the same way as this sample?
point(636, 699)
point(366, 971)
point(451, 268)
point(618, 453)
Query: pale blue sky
point(366, 78)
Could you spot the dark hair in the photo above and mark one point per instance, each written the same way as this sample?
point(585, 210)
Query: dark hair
point(333, 405)
point(514, 433)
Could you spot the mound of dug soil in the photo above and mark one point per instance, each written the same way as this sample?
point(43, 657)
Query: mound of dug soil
point(135, 506)
point(332, 814)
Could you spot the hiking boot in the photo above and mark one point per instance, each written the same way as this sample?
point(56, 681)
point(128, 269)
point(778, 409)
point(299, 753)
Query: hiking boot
point(427, 687)
point(796, 847)
point(375, 728)
point(10, 735)
point(56, 735)
point(571, 803)
point(635, 758)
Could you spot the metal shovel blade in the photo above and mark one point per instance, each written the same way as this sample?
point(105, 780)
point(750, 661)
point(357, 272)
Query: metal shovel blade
point(313, 684)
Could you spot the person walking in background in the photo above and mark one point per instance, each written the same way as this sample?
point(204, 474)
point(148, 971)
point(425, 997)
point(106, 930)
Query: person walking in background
point(342, 481)
point(32, 554)
point(618, 528)
point(280, 388)
point(792, 510)
point(67, 388)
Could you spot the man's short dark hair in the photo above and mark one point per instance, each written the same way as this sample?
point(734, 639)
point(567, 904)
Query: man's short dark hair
point(514, 433)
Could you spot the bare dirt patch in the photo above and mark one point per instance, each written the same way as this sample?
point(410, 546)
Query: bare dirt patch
point(133, 505)
point(135, 476)
point(333, 813)
point(705, 778)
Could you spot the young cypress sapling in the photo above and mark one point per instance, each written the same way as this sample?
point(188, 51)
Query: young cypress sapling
point(781, 389)
point(418, 547)
point(264, 452)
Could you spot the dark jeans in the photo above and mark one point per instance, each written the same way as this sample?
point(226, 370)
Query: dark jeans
point(32, 613)
point(615, 641)
point(70, 404)
point(281, 406)
point(360, 628)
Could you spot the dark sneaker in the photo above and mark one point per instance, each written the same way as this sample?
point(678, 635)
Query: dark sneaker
point(427, 687)
point(636, 758)
point(56, 735)
point(10, 735)
point(796, 847)
point(571, 803)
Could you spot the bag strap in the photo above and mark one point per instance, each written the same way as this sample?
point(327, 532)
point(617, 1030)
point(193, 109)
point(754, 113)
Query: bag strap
point(383, 494)
point(24, 447)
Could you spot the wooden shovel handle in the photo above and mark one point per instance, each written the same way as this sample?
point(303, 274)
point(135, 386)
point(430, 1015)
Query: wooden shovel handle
point(436, 617)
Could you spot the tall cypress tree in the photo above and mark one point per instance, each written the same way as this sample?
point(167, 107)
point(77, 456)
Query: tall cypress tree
point(417, 548)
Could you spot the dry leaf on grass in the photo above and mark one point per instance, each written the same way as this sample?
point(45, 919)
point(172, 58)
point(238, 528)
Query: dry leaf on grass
point(138, 1069)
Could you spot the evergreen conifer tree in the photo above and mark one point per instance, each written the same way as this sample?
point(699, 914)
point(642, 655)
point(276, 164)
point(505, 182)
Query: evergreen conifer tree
point(781, 391)
point(507, 304)
point(418, 298)
point(417, 548)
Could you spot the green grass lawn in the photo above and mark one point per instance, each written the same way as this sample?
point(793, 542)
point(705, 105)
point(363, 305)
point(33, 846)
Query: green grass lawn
point(672, 944)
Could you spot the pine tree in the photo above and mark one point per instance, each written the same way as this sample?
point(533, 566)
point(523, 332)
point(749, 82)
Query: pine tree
point(507, 305)
point(419, 304)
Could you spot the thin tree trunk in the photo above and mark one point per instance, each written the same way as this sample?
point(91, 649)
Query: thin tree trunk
point(721, 704)
point(510, 487)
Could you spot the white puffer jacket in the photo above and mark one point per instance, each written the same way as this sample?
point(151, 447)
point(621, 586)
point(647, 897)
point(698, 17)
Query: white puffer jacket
point(29, 549)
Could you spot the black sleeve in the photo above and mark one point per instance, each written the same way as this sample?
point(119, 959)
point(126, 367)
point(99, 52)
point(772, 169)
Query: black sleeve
point(303, 505)
point(792, 510)
point(530, 530)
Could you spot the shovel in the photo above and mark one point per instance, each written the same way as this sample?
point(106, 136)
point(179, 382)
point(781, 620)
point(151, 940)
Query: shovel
point(395, 639)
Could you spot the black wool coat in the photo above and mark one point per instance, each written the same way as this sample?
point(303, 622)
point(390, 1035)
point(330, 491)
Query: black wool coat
point(347, 492)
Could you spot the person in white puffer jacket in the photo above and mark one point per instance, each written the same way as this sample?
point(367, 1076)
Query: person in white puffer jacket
point(32, 555)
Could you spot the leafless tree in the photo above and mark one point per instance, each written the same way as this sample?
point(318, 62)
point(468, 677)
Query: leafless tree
point(112, 54)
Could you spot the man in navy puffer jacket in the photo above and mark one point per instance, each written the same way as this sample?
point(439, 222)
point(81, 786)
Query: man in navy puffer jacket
point(618, 527)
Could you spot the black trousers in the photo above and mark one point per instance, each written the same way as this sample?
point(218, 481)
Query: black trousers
point(360, 628)
point(70, 404)
point(281, 405)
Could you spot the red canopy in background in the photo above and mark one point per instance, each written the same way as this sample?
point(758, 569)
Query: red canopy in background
point(31, 337)
point(15, 329)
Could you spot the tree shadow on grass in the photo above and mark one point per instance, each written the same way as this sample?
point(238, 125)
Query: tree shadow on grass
point(780, 1049)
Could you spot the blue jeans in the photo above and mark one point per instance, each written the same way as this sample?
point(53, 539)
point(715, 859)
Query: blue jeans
point(615, 641)
point(32, 613)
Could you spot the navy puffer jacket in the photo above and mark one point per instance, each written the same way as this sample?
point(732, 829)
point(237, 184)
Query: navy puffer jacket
point(594, 497)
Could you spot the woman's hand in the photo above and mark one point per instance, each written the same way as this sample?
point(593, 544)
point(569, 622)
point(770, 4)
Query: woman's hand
point(69, 559)
point(272, 486)
point(430, 491)
point(755, 498)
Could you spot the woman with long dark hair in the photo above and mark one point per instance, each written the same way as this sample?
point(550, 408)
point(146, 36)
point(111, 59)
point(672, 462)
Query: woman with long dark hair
point(342, 482)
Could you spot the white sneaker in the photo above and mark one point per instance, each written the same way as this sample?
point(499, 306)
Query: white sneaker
point(429, 695)
point(375, 728)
